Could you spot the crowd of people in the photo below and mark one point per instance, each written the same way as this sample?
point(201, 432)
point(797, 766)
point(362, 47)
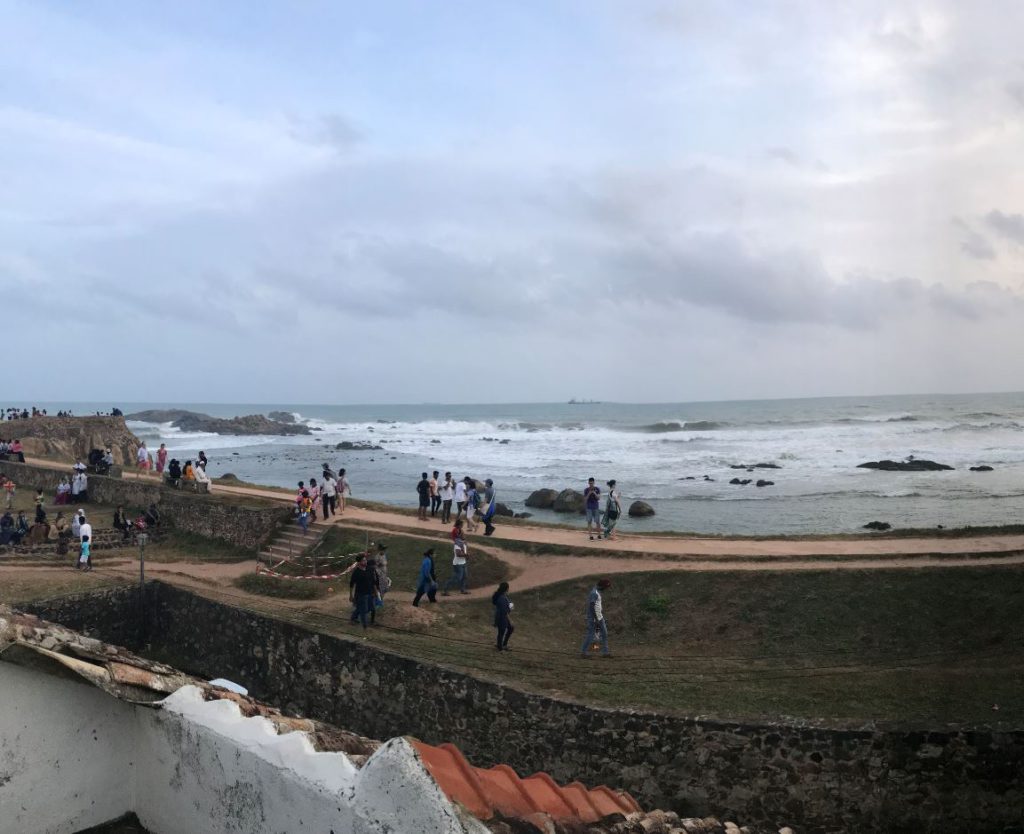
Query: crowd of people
point(328, 494)
point(12, 450)
point(469, 497)
point(25, 414)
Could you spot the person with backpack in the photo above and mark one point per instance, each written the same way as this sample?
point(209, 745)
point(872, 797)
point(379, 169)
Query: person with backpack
point(472, 505)
point(305, 505)
point(612, 510)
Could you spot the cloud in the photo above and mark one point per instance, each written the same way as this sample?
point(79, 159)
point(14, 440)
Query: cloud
point(974, 243)
point(1010, 226)
point(332, 130)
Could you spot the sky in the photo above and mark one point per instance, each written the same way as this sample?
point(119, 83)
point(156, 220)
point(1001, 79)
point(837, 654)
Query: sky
point(517, 201)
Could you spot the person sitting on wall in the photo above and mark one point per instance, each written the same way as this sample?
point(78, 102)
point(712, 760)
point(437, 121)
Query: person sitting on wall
point(6, 528)
point(174, 472)
point(188, 473)
point(21, 528)
point(152, 516)
point(201, 477)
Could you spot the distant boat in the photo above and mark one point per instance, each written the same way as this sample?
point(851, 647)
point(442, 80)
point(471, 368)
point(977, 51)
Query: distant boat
point(574, 401)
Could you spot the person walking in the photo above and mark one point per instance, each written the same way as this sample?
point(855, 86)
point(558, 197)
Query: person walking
point(596, 625)
point(490, 505)
point(592, 497)
point(423, 491)
point(304, 507)
point(612, 510)
point(502, 616)
point(343, 490)
point(460, 498)
point(161, 459)
point(447, 492)
point(362, 587)
point(435, 495)
point(472, 502)
point(9, 489)
point(383, 580)
point(142, 459)
point(84, 555)
point(428, 579)
point(459, 567)
point(328, 494)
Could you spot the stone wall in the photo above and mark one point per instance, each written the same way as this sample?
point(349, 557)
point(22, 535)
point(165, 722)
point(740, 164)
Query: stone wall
point(768, 775)
point(247, 523)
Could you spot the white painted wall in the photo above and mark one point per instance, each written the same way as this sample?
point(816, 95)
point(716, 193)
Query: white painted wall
point(79, 757)
point(66, 749)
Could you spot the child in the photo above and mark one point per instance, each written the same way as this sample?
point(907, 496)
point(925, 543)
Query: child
point(85, 558)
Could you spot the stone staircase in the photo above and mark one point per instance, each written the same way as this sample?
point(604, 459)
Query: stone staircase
point(290, 542)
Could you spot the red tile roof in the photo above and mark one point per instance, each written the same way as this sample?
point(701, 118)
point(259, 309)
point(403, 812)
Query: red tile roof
point(501, 791)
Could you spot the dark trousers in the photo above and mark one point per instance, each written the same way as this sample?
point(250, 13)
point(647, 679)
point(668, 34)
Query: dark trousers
point(460, 506)
point(327, 502)
point(446, 510)
point(428, 588)
point(505, 630)
point(363, 609)
point(435, 504)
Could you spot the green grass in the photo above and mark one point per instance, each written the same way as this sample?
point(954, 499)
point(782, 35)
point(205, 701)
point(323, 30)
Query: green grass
point(917, 647)
point(269, 586)
point(179, 546)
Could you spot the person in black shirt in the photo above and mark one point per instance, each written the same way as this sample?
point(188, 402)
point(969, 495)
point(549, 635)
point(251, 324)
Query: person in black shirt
point(362, 588)
point(423, 488)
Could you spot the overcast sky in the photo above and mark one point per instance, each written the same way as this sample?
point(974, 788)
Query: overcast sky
point(491, 201)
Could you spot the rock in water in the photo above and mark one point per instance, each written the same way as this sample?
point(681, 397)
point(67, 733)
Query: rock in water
point(503, 509)
point(878, 525)
point(569, 501)
point(281, 416)
point(915, 465)
point(542, 499)
point(640, 509)
point(765, 483)
point(981, 468)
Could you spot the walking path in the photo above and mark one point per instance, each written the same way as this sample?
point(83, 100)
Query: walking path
point(642, 552)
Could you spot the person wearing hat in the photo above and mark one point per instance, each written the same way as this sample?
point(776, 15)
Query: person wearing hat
point(595, 620)
point(428, 579)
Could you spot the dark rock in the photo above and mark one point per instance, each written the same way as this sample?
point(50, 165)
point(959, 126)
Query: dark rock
point(435, 441)
point(640, 509)
point(503, 509)
point(688, 478)
point(765, 483)
point(281, 416)
point(542, 499)
point(228, 477)
point(358, 446)
point(878, 525)
point(569, 501)
point(194, 421)
point(915, 465)
point(750, 466)
point(504, 442)
point(740, 482)
point(735, 481)
point(523, 515)
point(981, 469)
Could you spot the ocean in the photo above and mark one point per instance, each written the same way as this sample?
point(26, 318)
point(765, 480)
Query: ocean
point(659, 453)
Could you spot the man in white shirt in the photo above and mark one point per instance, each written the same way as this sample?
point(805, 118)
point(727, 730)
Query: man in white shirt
point(328, 494)
point(460, 498)
point(447, 493)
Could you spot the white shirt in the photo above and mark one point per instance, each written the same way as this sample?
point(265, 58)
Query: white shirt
point(447, 490)
point(76, 528)
point(460, 555)
point(460, 491)
point(142, 455)
point(330, 487)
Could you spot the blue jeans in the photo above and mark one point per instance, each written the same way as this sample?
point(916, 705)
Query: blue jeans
point(458, 577)
point(364, 606)
point(304, 522)
point(593, 630)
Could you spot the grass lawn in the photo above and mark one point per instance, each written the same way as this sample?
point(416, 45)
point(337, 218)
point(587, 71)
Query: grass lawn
point(918, 647)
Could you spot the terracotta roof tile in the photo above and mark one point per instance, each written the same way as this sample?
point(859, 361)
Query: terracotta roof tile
point(500, 791)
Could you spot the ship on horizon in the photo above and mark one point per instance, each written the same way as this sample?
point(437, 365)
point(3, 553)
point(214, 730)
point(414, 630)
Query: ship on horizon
point(574, 401)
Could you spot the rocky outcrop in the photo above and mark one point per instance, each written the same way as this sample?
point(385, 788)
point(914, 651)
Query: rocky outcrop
point(569, 501)
point(640, 509)
point(358, 446)
point(503, 509)
point(762, 483)
point(542, 499)
point(981, 469)
point(909, 465)
point(740, 482)
point(72, 438)
point(281, 416)
point(250, 424)
point(878, 525)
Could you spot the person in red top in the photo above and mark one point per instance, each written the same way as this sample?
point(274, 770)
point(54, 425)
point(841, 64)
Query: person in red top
point(16, 450)
point(161, 458)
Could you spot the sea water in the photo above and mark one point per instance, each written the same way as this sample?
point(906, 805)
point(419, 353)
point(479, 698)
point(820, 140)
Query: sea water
point(659, 453)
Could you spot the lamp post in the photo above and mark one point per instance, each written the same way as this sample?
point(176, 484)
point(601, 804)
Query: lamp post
point(142, 538)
